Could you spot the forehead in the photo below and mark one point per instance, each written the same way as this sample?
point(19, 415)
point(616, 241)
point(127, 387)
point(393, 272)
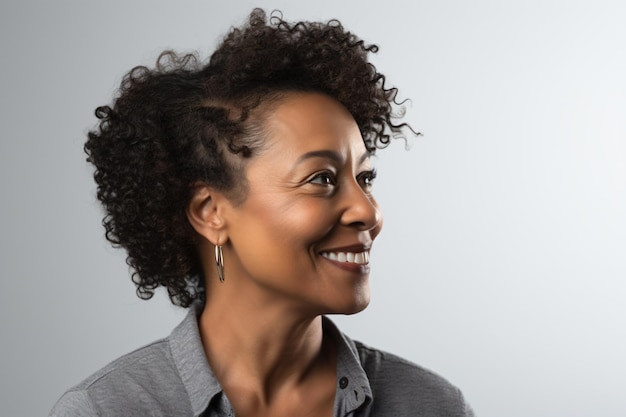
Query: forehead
point(303, 122)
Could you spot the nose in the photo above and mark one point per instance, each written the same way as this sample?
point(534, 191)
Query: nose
point(361, 211)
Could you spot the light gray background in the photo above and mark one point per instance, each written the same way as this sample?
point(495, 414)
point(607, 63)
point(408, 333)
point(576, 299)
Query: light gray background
point(501, 265)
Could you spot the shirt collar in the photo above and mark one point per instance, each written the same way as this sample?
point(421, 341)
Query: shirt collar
point(192, 364)
point(353, 387)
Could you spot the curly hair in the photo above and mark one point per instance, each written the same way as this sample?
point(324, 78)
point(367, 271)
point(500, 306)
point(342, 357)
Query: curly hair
point(186, 121)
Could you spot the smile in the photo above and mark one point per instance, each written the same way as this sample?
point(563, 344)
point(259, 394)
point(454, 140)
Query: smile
point(360, 258)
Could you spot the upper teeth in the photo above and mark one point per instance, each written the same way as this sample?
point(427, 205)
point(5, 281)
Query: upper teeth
point(361, 258)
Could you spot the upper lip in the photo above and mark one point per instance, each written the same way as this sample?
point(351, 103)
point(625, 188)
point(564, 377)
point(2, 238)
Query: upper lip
point(351, 248)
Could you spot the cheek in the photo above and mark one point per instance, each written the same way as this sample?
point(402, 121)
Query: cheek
point(297, 222)
point(307, 222)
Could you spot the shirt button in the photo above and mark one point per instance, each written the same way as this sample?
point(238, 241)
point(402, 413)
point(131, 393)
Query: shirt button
point(343, 382)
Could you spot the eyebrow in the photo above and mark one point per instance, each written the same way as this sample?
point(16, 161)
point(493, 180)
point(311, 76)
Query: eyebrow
point(328, 154)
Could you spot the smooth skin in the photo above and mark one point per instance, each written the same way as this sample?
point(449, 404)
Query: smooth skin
point(308, 195)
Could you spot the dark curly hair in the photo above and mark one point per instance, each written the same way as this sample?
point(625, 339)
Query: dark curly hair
point(186, 121)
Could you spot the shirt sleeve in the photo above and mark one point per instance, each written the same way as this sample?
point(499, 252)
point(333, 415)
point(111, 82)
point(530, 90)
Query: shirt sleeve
point(74, 404)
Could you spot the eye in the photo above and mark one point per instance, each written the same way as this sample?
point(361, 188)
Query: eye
point(366, 179)
point(324, 178)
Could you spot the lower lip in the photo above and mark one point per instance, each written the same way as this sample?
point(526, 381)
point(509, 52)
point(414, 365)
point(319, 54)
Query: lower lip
point(348, 266)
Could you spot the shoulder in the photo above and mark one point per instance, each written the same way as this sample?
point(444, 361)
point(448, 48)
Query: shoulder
point(405, 387)
point(74, 403)
point(143, 381)
point(386, 370)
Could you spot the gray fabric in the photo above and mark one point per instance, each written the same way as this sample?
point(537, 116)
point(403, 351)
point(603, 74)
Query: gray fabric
point(171, 377)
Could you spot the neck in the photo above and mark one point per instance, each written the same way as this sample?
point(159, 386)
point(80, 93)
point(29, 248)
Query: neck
point(261, 351)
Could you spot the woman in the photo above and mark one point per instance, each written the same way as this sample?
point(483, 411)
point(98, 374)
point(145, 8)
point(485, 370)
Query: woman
point(244, 186)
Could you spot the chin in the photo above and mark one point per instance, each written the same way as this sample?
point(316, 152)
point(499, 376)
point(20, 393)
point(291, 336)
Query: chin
point(356, 305)
point(355, 310)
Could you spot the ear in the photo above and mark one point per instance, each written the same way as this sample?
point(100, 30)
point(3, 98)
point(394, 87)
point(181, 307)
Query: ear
point(205, 213)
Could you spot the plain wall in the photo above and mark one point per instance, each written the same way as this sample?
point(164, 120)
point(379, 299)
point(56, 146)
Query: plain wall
point(502, 261)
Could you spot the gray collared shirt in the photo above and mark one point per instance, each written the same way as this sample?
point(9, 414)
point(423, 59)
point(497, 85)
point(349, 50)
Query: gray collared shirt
point(171, 377)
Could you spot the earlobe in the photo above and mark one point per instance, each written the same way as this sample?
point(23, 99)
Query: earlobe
point(204, 213)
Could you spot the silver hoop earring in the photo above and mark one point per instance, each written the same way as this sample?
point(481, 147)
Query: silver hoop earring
point(219, 261)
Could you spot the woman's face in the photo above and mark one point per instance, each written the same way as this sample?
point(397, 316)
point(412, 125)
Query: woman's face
point(303, 234)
